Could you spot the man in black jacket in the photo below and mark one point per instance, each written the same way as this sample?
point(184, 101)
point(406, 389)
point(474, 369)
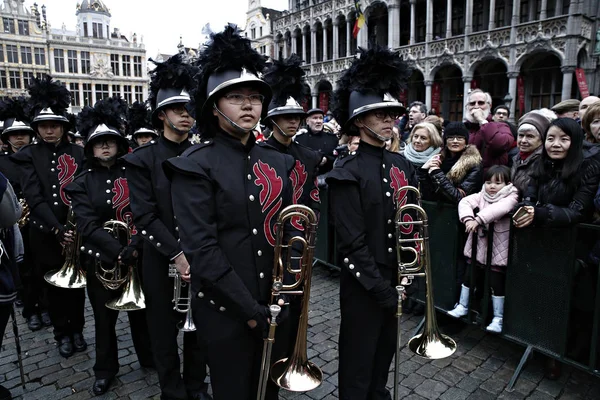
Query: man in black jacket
point(101, 194)
point(318, 139)
point(227, 193)
point(46, 168)
point(152, 209)
point(365, 192)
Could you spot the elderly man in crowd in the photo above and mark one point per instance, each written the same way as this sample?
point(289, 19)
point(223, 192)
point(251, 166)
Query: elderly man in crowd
point(567, 109)
point(492, 139)
point(586, 103)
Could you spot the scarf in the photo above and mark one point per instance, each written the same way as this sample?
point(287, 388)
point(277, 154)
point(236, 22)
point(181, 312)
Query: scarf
point(502, 193)
point(448, 162)
point(418, 158)
point(523, 155)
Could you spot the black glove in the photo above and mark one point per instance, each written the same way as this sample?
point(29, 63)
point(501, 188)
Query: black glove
point(128, 255)
point(261, 316)
point(385, 295)
point(60, 233)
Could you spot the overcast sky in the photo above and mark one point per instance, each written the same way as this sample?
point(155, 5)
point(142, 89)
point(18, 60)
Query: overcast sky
point(160, 22)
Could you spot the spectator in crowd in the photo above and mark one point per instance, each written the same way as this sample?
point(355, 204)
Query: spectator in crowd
point(438, 122)
point(562, 185)
point(586, 103)
point(591, 123)
point(455, 172)
point(567, 109)
point(477, 211)
point(417, 112)
point(393, 144)
point(423, 143)
point(318, 139)
point(353, 143)
point(532, 127)
point(492, 139)
point(501, 113)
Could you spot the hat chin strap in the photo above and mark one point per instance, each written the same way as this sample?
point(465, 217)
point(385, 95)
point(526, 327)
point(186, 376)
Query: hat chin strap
point(233, 124)
point(173, 127)
point(375, 134)
point(281, 130)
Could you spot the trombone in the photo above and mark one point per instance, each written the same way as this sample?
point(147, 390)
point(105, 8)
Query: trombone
point(182, 304)
point(295, 373)
point(430, 344)
point(70, 275)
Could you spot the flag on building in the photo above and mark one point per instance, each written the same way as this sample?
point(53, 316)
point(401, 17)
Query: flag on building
point(360, 20)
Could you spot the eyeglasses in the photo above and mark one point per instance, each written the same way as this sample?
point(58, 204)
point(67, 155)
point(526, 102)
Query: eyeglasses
point(501, 113)
point(238, 99)
point(381, 114)
point(456, 139)
point(107, 143)
point(479, 103)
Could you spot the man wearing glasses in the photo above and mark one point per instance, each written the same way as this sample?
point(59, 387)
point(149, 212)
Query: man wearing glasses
point(151, 204)
point(493, 139)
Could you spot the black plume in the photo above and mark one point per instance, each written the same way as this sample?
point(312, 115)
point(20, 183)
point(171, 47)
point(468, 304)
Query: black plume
point(173, 73)
point(106, 111)
point(226, 50)
point(377, 70)
point(45, 93)
point(72, 122)
point(14, 108)
point(138, 116)
point(286, 78)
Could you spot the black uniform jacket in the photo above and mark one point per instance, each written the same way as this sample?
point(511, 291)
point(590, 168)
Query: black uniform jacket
point(45, 170)
point(323, 142)
point(365, 191)
point(11, 171)
point(98, 195)
point(304, 175)
point(227, 197)
point(151, 195)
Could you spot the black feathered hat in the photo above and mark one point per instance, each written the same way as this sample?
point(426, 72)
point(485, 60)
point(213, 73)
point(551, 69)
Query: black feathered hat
point(286, 78)
point(372, 82)
point(49, 101)
point(13, 113)
point(102, 122)
point(170, 83)
point(140, 120)
point(227, 61)
point(72, 124)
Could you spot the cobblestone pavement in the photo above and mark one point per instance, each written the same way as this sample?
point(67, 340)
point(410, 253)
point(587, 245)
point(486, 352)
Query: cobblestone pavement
point(480, 369)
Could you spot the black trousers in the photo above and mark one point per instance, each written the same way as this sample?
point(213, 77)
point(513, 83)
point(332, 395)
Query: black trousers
point(4, 315)
point(66, 306)
point(163, 328)
point(34, 291)
point(367, 343)
point(233, 350)
point(107, 359)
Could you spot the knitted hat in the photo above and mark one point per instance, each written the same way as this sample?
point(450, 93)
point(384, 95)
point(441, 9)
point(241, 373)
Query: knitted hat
point(566, 106)
point(539, 122)
point(454, 129)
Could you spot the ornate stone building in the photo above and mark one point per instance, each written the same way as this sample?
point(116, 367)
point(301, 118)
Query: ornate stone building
point(524, 52)
point(23, 46)
point(96, 62)
point(259, 27)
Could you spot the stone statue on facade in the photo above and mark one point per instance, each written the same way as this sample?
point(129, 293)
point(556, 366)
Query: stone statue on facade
point(597, 49)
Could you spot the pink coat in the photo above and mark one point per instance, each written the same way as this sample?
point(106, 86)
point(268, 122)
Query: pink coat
point(490, 212)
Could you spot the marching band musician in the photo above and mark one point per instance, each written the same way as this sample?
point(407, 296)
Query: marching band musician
point(46, 168)
point(365, 192)
point(140, 124)
point(227, 192)
point(100, 194)
point(153, 216)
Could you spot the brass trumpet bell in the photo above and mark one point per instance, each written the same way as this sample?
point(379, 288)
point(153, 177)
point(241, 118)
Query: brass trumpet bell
point(296, 374)
point(432, 346)
point(68, 277)
point(132, 298)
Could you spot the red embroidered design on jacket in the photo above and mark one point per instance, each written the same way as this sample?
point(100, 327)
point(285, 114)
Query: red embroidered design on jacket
point(397, 182)
point(66, 173)
point(121, 203)
point(298, 178)
point(269, 196)
point(314, 194)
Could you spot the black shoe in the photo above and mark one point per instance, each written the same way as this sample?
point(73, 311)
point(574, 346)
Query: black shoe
point(79, 342)
point(46, 319)
point(5, 393)
point(65, 347)
point(200, 396)
point(101, 386)
point(34, 323)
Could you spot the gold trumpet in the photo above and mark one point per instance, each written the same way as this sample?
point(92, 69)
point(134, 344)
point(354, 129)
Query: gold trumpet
point(182, 304)
point(132, 298)
point(430, 344)
point(71, 275)
point(295, 373)
point(25, 211)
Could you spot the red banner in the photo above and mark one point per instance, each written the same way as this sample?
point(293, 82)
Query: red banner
point(474, 84)
point(581, 82)
point(521, 94)
point(436, 92)
point(403, 97)
point(324, 101)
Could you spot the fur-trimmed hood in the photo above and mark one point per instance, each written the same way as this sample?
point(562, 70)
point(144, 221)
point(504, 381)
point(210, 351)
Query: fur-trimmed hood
point(469, 159)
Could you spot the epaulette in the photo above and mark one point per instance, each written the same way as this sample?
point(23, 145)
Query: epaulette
point(266, 146)
point(198, 146)
point(83, 172)
point(349, 157)
point(150, 143)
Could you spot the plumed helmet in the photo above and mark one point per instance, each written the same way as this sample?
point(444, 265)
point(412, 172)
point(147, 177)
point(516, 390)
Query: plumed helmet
point(48, 101)
point(372, 82)
point(228, 60)
point(170, 83)
point(103, 121)
point(140, 120)
point(287, 80)
point(13, 112)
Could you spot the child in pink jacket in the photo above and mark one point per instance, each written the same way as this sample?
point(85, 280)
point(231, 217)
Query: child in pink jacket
point(497, 198)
